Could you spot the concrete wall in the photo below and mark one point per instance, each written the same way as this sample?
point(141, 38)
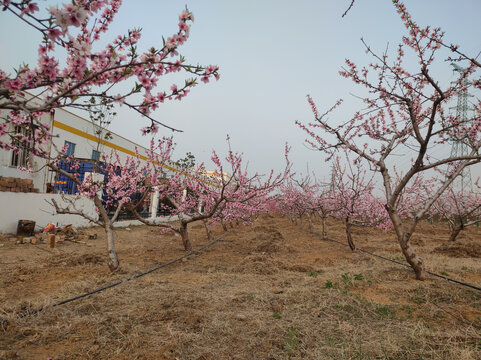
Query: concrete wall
point(31, 206)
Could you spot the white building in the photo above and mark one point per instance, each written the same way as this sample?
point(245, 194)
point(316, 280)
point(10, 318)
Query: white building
point(84, 143)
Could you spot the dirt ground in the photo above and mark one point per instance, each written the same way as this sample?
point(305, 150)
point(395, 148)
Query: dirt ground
point(270, 290)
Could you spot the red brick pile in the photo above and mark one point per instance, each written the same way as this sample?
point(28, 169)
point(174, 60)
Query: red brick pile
point(16, 185)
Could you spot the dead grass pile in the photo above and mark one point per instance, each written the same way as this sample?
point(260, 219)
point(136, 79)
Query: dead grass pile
point(459, 250)
point(74, 260)
point(258, 264)
point(268, 238)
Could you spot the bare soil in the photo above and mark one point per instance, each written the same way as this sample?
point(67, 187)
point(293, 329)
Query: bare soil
point(270, 290)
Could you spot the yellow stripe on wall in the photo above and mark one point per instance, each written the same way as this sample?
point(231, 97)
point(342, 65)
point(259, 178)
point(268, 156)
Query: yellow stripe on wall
point(88, 136)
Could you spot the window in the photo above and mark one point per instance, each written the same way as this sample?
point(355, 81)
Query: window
point(95, 155)
point(21, 155)
point(70, 148)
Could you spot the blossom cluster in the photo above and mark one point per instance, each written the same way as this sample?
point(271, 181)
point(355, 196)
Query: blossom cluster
point(90, 71)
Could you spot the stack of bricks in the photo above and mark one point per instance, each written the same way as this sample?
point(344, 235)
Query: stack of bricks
point(16, 185)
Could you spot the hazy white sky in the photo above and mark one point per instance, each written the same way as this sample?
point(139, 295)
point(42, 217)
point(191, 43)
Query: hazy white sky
point(271, 54)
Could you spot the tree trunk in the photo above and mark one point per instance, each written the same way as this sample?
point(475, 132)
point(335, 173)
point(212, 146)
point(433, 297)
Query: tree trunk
point(223, 225)
point(324, 228)
point(300, 220)
point(404, 238)
point(113, 261)
point(455, 232)
point(207, 230)
point(311, 228)
point(185, 237)
point(231, 224)
point(349, 235)
point(411, 257)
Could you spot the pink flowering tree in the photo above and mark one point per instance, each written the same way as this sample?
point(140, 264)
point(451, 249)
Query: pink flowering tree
point(460, 209)
point(301, 197)
point(293, 201)
point(325, 205)
point(123, 182)
point(242, 212)
point(306, 197)
point(283, 204)
point(408, 203)
point(458, 56)
point(228, 193)
point(90, 75)
point(89, 70)
point(353, 195)
point(405, 113)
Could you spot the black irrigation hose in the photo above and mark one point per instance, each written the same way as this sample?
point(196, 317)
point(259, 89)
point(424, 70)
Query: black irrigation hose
point(404, 264)
point(133, 277)
point(454, 280)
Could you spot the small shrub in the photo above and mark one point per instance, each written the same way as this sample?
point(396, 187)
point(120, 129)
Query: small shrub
point(418, 299)
point(385, 312)
point(328, 284)
point(439, 315)
point(358, 277)
point(276, 315)
point(291, 341)
point(347, 308)
point(408, 310)
point(334, 341)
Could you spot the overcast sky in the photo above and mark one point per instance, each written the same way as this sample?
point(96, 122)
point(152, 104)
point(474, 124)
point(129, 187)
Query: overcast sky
point(271, 53)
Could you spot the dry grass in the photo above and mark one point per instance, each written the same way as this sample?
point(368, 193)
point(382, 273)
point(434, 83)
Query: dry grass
point(268, 291)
